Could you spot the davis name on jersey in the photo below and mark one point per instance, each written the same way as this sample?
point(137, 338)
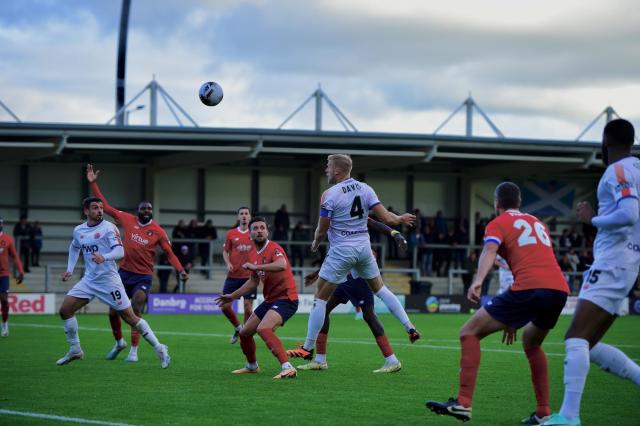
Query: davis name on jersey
point(618, 246)
point(101, 238)
point(347, 204)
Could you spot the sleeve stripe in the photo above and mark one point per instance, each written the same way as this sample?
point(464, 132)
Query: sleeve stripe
point(626, 196)
point(373, 205)
point(492, 240)
point(116, 245)
point(619, 169)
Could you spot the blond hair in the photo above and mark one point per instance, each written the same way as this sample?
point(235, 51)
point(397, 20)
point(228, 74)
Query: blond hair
point(342, 162)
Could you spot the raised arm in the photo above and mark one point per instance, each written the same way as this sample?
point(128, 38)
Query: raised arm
point(391, 218)
point(384, 229)
point(171, 257)
point(92, 177)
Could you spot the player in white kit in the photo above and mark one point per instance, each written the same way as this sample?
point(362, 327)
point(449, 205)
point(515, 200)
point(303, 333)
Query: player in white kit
point(344, 211)
point(614, 271)
point(505, 276)
point(100, 244)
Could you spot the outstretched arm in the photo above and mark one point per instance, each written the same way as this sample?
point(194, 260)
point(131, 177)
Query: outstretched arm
point(626, 214)
point(391, 218)
point(92, 177)
point(384, 229)
point(171, 257)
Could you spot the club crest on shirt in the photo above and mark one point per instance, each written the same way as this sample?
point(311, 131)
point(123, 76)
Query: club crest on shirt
point(96, 235)
point(149, 233)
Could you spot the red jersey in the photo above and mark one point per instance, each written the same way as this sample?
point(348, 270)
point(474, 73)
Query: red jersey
point(523, 241)
point(140, 241)
point(276, 285)
point(8, 248)
point(238, 246)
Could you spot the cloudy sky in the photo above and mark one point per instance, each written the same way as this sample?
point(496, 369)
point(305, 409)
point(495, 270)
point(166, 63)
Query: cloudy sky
point(542, 68)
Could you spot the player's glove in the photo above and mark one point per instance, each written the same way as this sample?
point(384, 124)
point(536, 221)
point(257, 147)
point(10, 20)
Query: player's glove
point(400, 241)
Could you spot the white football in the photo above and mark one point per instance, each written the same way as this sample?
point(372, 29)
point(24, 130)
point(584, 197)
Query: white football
point(211, 93)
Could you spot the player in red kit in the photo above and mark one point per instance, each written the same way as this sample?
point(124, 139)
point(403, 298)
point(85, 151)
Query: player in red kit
point(235, 252)
point(140, 237)
point(534, 301)
point(272, 268)
point(7, 250)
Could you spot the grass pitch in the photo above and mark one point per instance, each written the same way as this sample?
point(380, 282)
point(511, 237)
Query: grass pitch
point(198, 388)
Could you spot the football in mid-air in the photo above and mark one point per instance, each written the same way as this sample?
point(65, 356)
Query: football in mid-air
point(211, 93)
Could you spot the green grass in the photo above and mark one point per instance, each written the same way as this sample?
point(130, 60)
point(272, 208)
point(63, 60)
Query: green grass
point(198, 389)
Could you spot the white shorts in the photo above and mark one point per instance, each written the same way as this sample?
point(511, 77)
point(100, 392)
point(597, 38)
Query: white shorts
point(341, 260)
point(110, 293)
point(607, 286)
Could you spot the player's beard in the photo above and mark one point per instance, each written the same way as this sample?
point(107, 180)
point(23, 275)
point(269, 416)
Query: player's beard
point(145, 218)
point(605, 155)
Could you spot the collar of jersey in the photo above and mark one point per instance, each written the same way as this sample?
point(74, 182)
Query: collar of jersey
point(622, 159)
point(265, 246)
point(93, 226)
point(241, 231)
point(148, 223)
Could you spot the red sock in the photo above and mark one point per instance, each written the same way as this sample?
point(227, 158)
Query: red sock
point(116, 326)
point(469, 364)
point(233, 319)
point(383, 344)
point(321, 344)
point(274, 344)
point(135, 337)
point(540, 379)
point(248, 346)
point(4, 306)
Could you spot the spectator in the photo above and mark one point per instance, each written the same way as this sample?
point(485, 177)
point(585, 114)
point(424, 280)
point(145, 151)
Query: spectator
point(179, 232)
point(163, 274)
point(427, 253)
point(391, 243)
point(575, 238)
point(207, 232)
point(22, 237)
point(419, 218)
point(186, 260)
point(280, 234)
point(586, 259)
point(461, 238)
point(281, 223)
point(574, 262)
point(440, 224)
point(471, 266)
point(415, 243)
point(440, 254)
point(36, 243)
point(193, 232)
point(565, 267)
point(297, 250)
point(564, 242)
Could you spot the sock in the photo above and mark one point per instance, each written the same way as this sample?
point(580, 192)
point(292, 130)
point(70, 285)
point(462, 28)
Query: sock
point(285, 365)
point(321, 358)
point(71, 331)
point(383, 344)
point(615, 361)
point(539, 379)
point(135, 338)
point(231, 316)
point(391, 359)
point(274, 344)
point(248, 346)
point(133, 350)
point(4, 307)
point(252, 365)
point(143, 327)
point(238, 328)
point(316, 321)
point(116, 327)
point(576, 368)
point(392, 302)
point(321, 344)
point(469, 364)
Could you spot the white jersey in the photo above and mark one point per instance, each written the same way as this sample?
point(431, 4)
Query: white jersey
point(618, 246)
point(347, 204)
point(102, 238)
point(505, 276)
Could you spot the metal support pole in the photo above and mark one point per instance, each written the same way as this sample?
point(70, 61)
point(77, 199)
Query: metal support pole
point(318, 95)
point(153, 103)
point(469, 105)
point(122, 60)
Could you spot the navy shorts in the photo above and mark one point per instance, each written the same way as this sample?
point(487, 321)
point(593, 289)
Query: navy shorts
point(134, 282)
point(541, 306)
point(232, 284)
point(286, 308)
point(356, 291)
point(4, 284)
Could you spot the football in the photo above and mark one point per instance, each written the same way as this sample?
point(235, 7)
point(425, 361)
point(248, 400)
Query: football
point(211, 93)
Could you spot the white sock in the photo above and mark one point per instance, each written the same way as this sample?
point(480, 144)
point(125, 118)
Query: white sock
point(286, 365)
point(615, 361)
point(121, 342)
point(321, 358)
point(316, 320)
point(71, 331)
point(391, 359)
point(145, 331)
point(133, 350)
point(576, 368)
point(395, 307)
point(252, 365)
point(239, 327)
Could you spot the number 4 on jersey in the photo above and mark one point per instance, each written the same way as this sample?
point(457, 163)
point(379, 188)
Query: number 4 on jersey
point(356, 208)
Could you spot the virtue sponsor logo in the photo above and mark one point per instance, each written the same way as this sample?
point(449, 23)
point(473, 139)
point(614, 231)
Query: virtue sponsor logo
point(138, 239)
point(170, 303)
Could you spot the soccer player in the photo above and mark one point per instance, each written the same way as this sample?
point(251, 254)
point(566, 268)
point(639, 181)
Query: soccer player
point(271, 266)
point(616, 253)
point(343, 214)
point(534, 301)
point(505, 277)
point(357, 291)
point(235, 252)
point(141, 237)
point(100, 244)
point(7, 250)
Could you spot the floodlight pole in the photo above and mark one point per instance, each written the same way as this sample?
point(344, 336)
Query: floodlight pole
point(122, 61)
point(153, 102)
point(318, 95)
